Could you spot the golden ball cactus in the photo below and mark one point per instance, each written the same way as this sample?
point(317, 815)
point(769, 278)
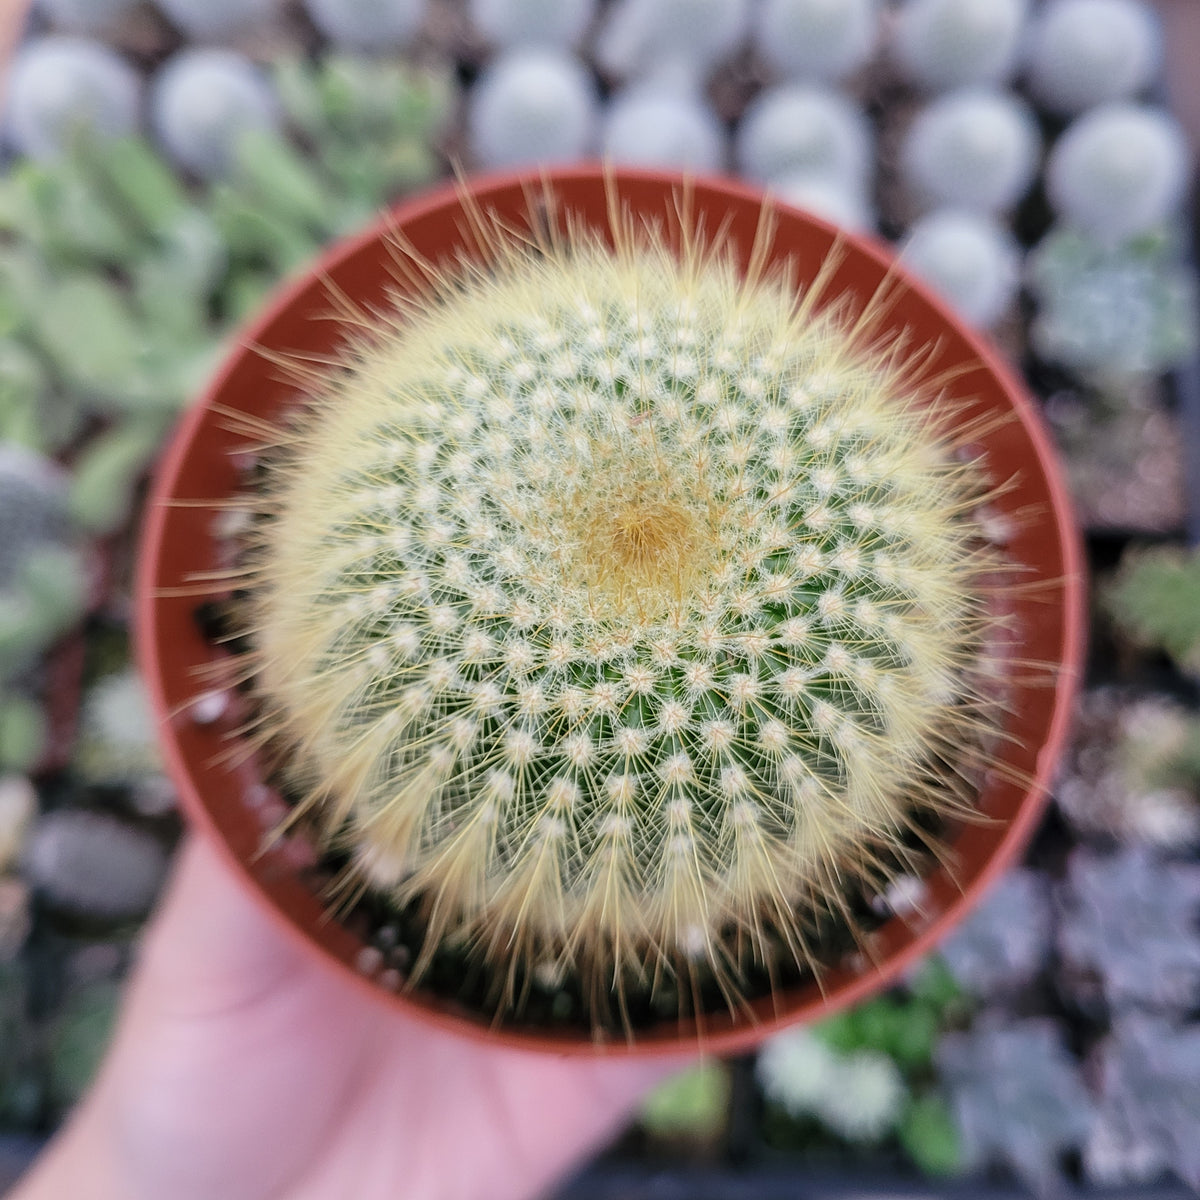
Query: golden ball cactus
point(622, 612)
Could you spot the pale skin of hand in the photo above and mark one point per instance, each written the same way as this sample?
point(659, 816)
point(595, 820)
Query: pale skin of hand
point(243, 1070)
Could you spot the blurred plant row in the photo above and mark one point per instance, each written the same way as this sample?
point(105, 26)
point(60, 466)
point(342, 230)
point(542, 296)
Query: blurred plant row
point(120, 281)
point(118, 288)
point(157, 190)
point(1019, 153)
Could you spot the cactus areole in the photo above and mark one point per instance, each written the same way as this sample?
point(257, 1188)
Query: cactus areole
point(656, 616)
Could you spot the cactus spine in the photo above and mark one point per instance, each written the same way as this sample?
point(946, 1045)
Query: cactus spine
point(621, 612)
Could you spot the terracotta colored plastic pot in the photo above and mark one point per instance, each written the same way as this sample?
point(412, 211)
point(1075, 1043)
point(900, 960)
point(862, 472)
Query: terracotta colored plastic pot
point(223, 793)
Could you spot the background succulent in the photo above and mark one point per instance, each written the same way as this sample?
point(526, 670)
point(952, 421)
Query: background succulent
point(969, 259)
point(371, 125)
point(23, 391)
point(816, 39)
point(1149, 1082)
point(867, 1099)
point(687, 36)
point(641, 710)
point(532, 106)
point(203, 101)
point(130, 283)
point(693, 1104)
point(61, 90)
point(972, 149)
point(1136, 771)
point(1006, 941)
point(1018, 1097)
point(367, 24)
point(905, 1023)
point(657, 127)
point(1118, 171)
point(1085, 52)
point(215, 20)
point(45, 597)
point(1156, 598)
point(929, 1135)
point(84, 16)
point(94, 864)
point(1128, 920)
point(865, 1074)
point(116, 743)
point(556, 23)
point(107, 474)
point(942, 44)
point(33, 507)
point(1109, 310)
point(811, 129)
point(796, 1069)
point(858, 1095)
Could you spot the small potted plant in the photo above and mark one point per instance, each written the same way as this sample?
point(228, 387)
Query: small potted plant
point(645, 614)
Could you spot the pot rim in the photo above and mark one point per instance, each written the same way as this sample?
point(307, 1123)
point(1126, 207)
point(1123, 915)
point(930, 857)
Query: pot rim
point(667, 1037)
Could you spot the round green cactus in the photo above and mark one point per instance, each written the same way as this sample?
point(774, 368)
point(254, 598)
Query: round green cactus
point(621, 614)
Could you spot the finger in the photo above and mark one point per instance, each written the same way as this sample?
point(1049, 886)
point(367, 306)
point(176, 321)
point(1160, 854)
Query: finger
point(211, 947)
point(580, 1108)
point(527, 1117)
point(236, 1055)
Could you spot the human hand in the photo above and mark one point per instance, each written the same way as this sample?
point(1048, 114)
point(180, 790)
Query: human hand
point(243, 1071)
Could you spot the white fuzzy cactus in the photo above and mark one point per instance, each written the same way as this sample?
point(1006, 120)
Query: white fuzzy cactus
point(367, 24)
point(117, 743)
point(202, 101)
point(868, 1097)
point(1085, 52)
point(826, 197)
point(555, 23)
point(84, 16)
point(658, 127)
point(821, 40)
point(619, 613)
point(687, 36)
point(858, 1096)
point(797, 1070)
point(1119, 170)
point(805, 129)
point(972, 149)
point(943, 44)
point(61, 89)
point(214, 20)
point(532, 107)
point(967, 258)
